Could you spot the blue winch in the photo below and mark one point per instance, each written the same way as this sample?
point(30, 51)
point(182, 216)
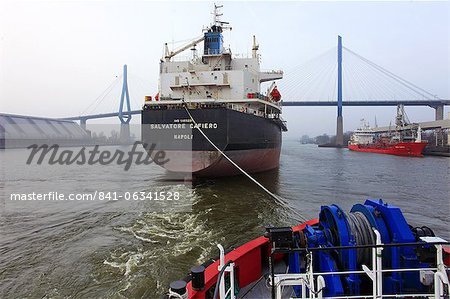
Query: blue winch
point(344, 242)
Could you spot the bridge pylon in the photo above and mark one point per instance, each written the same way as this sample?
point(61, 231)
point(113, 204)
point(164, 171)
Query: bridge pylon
point(124, 116)
point(340, 121)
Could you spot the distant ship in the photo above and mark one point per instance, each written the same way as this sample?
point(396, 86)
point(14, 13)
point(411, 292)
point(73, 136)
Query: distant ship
point(221, 95)
point(400, 142)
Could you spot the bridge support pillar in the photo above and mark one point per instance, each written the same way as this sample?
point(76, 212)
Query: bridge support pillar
point(340, 131)
point(124, 137)
point(439, 112)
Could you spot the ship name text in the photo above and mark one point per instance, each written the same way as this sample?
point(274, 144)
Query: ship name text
point(184, 126)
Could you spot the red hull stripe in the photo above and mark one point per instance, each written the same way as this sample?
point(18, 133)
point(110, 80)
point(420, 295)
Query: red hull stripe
point(413, 149)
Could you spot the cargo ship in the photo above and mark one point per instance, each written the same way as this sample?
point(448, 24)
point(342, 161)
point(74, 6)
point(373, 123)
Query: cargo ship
point(369, 252)
point(210, 105)
point(404, 140)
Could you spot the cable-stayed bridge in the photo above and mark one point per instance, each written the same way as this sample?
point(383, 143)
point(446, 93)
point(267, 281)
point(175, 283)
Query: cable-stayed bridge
point(363, 83)
point(338, 77)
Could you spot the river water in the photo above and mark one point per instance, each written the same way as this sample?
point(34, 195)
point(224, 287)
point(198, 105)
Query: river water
point(108, 250)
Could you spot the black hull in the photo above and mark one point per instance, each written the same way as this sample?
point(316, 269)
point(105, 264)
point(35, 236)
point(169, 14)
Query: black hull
point(251, 141)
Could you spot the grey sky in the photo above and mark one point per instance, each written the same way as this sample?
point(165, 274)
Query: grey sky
point(56, 58)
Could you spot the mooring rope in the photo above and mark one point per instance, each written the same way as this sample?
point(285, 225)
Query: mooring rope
point(278, 199)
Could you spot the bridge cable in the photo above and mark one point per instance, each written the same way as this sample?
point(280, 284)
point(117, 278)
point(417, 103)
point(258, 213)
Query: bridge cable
point(308, 74)
point(315, 73)
point(374, 83)
point(110, 94)
point(329, 83)
point(365, 82)
point(389, 88)
point(308, 87)
point(409, 86)
point(103, 94)
point(402, 81)
point(322, 74)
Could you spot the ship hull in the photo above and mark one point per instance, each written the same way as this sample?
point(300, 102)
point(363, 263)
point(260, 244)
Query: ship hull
point(252, 142)
point(409, 149)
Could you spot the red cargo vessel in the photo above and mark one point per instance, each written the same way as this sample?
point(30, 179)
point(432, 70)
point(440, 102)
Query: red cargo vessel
point(405, 140)
point(411, 149)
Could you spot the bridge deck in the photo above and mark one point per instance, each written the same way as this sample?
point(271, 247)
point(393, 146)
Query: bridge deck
point(430, 103)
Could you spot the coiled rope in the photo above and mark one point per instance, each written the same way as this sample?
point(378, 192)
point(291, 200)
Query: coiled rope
point(362, 231)
point(278, 199)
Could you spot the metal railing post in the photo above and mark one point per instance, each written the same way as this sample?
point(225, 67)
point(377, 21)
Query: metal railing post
point(229, 267)
point(320, 286)
point(440, 277)
point(379, 265)
point(231, 281)
point(221, 264)
point(311, 277)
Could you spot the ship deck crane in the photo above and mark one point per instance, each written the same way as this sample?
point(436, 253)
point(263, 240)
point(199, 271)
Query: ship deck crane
point(169, 54)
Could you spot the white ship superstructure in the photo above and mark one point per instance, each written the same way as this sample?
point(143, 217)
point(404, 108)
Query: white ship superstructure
point(217, 77)
point(221, 93)
point(363, 134)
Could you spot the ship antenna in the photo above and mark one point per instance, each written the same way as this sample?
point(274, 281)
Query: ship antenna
point(255, 48)
point(216, 18)
point(217, 14)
